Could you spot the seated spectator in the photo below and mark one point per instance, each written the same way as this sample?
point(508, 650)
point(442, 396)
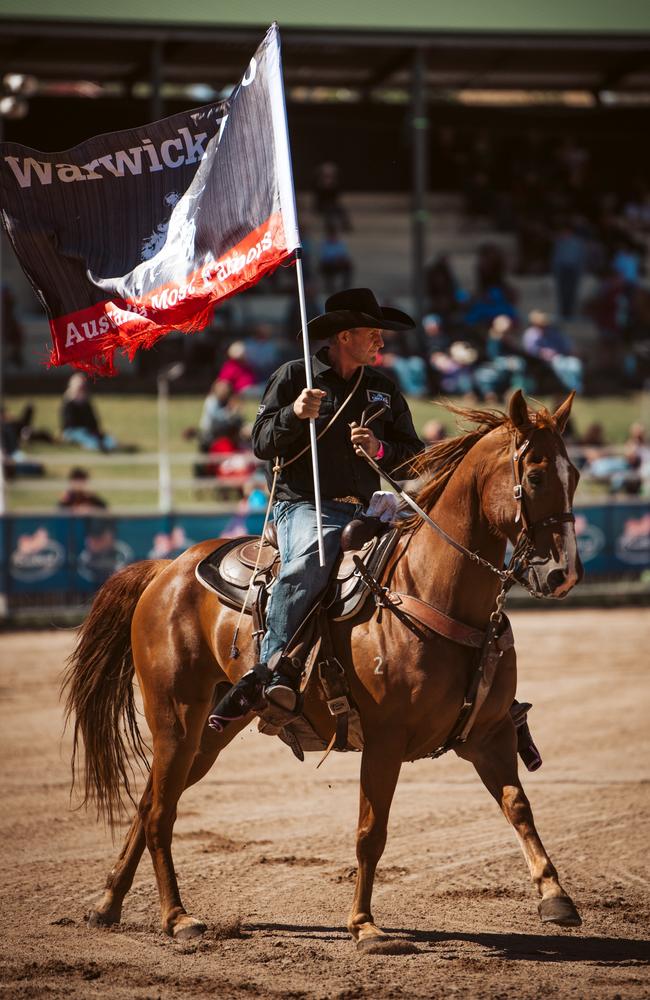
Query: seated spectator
point(456, 368)
point(77, 498)
point(79, 422)
point(493, 295)
point(237, 370)
point(335, 262)
point(505, 365)
point(220, 415)
point(543, 340)
point(409, 370)
point(568, 261)
point(594, 436)
point(445, 295)
point(12, 433)
point(327, 195)
point(263, 350)
point(432, 432)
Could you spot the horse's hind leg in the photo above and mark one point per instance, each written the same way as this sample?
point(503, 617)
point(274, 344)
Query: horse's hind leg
point(496, 764)
point(380, 767)
point(118, 883)
point(120, 879)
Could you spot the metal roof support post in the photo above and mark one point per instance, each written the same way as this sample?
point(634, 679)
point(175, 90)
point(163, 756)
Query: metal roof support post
point(420, 161)
point(156, 80)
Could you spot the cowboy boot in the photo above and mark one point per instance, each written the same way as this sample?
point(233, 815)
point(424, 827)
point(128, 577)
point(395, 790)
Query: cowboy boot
point(246, 696)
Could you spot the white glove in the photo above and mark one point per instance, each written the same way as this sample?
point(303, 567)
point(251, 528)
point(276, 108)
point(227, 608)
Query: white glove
point(383, 504)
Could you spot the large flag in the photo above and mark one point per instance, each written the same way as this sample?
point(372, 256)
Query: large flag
point(133, 234)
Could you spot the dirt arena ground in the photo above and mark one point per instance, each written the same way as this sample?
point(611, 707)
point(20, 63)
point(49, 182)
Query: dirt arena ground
point(265, 851)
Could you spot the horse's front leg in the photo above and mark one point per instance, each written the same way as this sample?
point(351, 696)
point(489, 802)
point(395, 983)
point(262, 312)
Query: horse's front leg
point(380, 766)
point(496, 763)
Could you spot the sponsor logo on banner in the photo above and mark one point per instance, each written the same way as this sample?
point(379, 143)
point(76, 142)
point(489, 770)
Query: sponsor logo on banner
point(36, 557)
point(591, 540)
point(169, 546)
point(103, 554)
point(633, 545)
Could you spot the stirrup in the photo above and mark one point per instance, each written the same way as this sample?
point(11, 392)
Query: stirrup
point(281, 693)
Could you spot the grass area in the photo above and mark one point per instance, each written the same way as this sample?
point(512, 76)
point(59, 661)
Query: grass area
point(134, 420)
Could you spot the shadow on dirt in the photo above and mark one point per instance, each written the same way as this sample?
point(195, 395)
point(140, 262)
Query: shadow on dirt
point(526, 947)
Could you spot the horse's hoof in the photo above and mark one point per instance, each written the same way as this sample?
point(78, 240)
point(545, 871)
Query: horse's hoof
point(187, 928)
point(383, 944)
point(98, 919)
point(559, 910)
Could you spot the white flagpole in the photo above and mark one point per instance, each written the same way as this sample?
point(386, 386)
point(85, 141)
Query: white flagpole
point(312, 422)
point(290, 222)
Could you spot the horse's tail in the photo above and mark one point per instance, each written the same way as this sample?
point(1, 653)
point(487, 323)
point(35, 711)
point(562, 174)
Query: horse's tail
point(99, 692)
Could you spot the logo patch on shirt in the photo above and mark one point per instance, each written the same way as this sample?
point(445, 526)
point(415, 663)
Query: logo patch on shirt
point(378, 397)
point(261, 408)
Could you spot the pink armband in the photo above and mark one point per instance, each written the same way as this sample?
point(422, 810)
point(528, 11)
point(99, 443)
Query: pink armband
point(380, 453)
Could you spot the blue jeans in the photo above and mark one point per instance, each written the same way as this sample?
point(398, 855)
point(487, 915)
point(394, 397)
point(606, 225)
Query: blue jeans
point(301, 579)
point(86, 439)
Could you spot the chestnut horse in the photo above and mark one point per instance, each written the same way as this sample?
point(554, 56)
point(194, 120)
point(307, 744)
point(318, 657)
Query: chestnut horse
point(155, 618)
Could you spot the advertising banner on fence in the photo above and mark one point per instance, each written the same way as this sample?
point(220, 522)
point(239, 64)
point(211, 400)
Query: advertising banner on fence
point(136, 233)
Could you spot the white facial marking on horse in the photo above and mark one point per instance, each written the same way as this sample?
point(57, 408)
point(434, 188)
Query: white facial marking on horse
point(567, 531)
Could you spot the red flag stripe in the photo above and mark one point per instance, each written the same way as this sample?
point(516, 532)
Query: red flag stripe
point(89, 338)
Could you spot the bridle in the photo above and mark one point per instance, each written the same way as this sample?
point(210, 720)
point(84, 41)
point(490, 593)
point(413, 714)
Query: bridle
point(524, 543)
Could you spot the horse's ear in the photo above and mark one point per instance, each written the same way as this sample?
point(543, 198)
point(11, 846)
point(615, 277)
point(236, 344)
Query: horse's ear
point(561, 415)
point(518, 410)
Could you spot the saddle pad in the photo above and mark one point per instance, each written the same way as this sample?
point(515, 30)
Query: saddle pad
point(228, 570)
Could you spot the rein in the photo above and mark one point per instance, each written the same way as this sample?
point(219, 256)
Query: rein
point(524, 539)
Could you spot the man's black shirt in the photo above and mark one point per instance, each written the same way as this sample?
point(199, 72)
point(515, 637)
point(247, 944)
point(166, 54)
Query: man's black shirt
point(279, 432)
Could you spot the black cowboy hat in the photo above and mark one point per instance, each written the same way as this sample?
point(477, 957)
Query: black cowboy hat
point(356, 308)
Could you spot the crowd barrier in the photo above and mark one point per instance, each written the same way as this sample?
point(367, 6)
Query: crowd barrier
point(59, 560)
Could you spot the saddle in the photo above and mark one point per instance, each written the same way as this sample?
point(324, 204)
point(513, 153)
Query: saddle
point(229, 569)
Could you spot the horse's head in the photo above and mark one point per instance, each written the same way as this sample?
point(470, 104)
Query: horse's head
point(530, 499)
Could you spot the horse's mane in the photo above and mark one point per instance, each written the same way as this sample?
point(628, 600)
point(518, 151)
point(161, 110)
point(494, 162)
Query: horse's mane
point(437, 463)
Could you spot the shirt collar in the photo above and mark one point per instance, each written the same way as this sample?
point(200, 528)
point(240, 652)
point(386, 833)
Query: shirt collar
point(321, 363)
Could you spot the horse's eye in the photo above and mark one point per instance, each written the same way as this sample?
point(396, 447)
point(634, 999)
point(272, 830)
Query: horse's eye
point(535, 478)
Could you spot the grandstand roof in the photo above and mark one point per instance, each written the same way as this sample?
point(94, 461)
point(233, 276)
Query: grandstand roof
point(594, 46)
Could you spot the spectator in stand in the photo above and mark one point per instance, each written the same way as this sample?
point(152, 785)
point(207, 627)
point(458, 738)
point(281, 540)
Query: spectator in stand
point(568, 260)
point(237, 371)
point(445, 295)
point(436, 341)
point(455, 368)
point(264, 350)
point(12, 433)
point(627, 260)
point(494, 296)
point(505, 365)
point(220, 415)
point(79, 422)
point(612, 308)
point(543, 340)
point(327, 196)
point(335, 262)
point(77, 498)
point(406, 368)
point(433, 432)
point(626, 472)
